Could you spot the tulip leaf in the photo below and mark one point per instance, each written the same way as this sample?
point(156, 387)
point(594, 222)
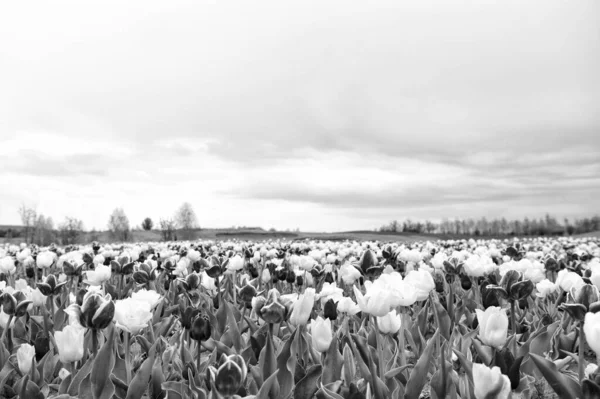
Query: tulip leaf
point(102, 386)
point(333, 363)
point(286, 362)
point(328, 393)
point(139, 384)
point(270, 388)
point(175, 389)
point(83, 372)
point(267, 360)
point(442, 317)
point(156, 380)
point(418, 375)
point(64, 385)
point(308, 386)
point(590, 389)
point(564, 386)
point(233, 328)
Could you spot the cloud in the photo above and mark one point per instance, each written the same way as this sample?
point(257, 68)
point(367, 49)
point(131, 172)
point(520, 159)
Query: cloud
point(257, 112)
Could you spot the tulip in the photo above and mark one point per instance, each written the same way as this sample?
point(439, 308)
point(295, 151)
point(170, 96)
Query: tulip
point(25, 356)
point(45, 259)
point(38, 298)
point(330, 309)
point(422, 281)
point(50, 286)
point(302, 308)
point(390, 323)
point(235, 263)
point(230, 376)
point(274, 309)
point(591, 328)
point(151, 297)
point(375, 302)
point(347, 305)
point(490, 383)
point(545, 288)
point(321, 334)
point(70, 343)
point(96, 311)
point(132, 315)
point(187, 317)
point(98, 276)
point(201, 329)
point(7, 265)
point(493, 326)
point(568, 280)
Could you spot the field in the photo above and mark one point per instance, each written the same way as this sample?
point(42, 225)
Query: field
point(297, 315)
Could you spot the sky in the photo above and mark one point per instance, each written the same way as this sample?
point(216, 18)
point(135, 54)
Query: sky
point(318, 115)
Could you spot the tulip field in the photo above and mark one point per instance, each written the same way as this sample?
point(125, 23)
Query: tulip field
point(515, 318)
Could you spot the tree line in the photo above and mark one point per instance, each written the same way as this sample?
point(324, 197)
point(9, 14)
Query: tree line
point(545, 226)
point(39, 229)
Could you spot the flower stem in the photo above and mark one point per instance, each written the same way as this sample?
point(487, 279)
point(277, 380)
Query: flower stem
point(5, 332)
point(94, 342)
point(127, 356)
point(581, 365)
point(378, 338)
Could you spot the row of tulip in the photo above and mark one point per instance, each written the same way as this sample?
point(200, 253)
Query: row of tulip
point(277, 319)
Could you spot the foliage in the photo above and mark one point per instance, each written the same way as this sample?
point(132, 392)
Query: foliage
point(312, 319)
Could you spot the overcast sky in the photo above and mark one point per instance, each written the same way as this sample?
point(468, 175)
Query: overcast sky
point(322, 115)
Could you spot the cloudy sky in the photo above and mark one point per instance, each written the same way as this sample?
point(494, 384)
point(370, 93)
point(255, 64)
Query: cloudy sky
point(322, 115)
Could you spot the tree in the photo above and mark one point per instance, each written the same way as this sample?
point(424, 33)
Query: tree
point(70, 230)
point(28, 218)
point(118, 225)
point(44, 230)
point(186, 220)
point(147, 224)
point(167, 229)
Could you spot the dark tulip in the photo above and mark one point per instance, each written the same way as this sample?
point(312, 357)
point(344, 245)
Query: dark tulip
point(587, 295)
point(521, 290)
point(299, 281)
point(247, 292)
point(141, 277)
point(281, 274)
point(9, 303)
point(511, 277)
point(29, 272)
point(438, 279)
point(354, 393)
point(201, 329)
point(330, 310)
point(465, 282)
point(188, 316)
point(290, 276)
point(329, 278)
point(214, 271)
point(41, 344)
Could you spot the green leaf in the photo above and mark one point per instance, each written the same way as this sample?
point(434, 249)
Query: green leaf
point(139, 383)
point(307, 386)
point(349, 365)
point(267, 360)
point(83, 372)
point(270, 388)
point(442, 317)
point(564, 386)
point(233, 328)
point(102, 386)
point(418, 375)
point(286, 364)
point(156, 380)
point(333, 363)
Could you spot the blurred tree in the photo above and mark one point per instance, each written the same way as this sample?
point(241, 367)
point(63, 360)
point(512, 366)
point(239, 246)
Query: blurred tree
point(167, 229)
point(70, 230)
point(118, 225)
point(186, 220)
point(147, 224)
point(28, 218)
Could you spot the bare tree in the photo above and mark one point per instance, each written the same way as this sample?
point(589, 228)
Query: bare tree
point(147, 224)
point(70, 230)
point(167, 229)
point(28, 218)
point(118, 225)
point(44, 230)
point(186, 219)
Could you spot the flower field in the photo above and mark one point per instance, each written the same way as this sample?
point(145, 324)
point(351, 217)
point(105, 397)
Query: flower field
point(311, 319)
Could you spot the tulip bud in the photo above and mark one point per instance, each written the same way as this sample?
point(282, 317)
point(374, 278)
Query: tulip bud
point(201, 329)
point(274, 310)
point(321, 334)
point(231, 375)
point(247, 292)
point(25, 355)
point(330, 309)
point(97, 312)
point(299, 281)
point(493, 326)
point(302, 308)
point(70, 343)
point(390, 323)
point(187, 317)
point(490, 383)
